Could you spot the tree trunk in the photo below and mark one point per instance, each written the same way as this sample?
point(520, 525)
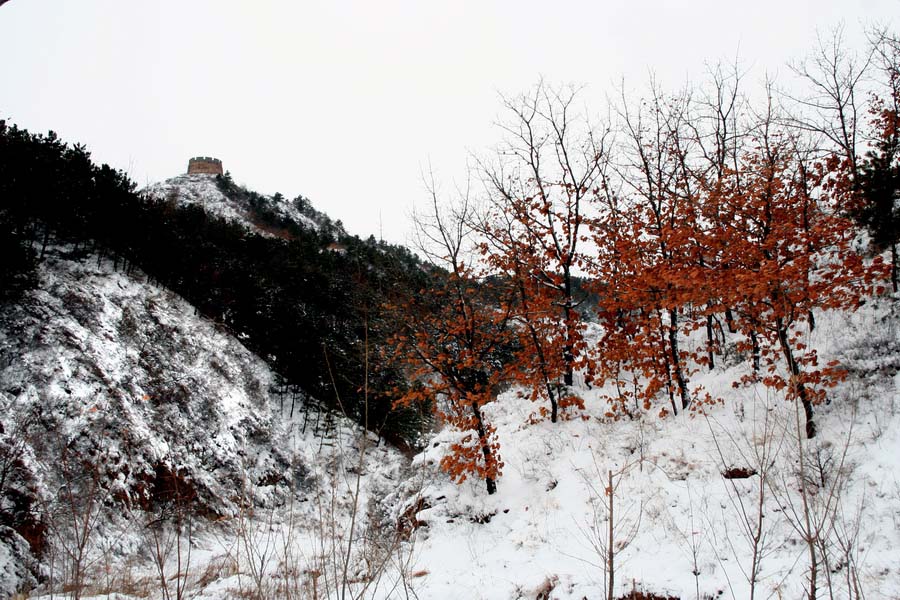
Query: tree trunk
point(710, 342)
point(667, 363)
point(45, 241)
point(568, 350)
point(610, 548)
point(676, 358)
point(813, 568)
point(485, 447)
point(754, 340)
point(729, 320)
point(554, 405)
point(293, 399)
point(796, 383)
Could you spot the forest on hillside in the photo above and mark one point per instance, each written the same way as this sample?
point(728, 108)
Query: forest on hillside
point(308, 311)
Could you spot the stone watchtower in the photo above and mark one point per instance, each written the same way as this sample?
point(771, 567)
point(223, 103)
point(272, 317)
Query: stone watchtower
point(205, 164)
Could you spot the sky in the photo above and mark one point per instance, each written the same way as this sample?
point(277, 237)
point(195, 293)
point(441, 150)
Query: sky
point(347, 103)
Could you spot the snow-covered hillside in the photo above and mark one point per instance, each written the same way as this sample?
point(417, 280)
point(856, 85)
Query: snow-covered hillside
point(680, 528)
point(120, 407)
point(121, 378)
point(100, 351)
point(203, 190)
point(299, 503)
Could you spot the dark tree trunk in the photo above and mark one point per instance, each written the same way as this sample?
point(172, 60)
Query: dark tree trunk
point(485, 447)
point(676, 359)
point(710, 342)
point(293, 399)
point(796, 383)
point(569, 350)
point(669, 387)
point(45, 241)
point(754, 340)
point(554, 404)
point(729, 320)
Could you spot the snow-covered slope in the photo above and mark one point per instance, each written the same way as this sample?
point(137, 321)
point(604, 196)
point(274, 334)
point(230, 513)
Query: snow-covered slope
point(105, 358)
point(681, 529)
point(203, 190)
point(125, 374)
point(103, 375)
point(120, 407)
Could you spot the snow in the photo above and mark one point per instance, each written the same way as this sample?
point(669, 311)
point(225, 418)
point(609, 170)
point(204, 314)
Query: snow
point(90, 344)
point(548, 515)
point(15, 563)
point(112, 367)
point(201, 189)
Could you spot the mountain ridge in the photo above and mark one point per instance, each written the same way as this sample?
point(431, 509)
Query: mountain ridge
point(221, 197)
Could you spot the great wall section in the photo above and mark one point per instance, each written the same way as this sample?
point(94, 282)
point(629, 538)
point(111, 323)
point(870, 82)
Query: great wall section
point(205, 164)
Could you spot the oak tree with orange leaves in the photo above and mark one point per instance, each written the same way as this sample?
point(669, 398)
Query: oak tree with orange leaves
point(540, 185)
point(647, 259)
point(787, 251)
point(455, 341)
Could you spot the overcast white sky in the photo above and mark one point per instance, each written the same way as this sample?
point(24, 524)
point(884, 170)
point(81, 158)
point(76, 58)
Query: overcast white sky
point(344, 102)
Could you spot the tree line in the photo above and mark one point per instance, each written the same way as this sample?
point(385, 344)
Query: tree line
point(696, 215)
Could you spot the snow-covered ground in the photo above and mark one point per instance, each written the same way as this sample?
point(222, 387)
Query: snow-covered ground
point(680, 527)
point(109, 383)
point(200, 189)
point(332, 509)
point(113, 390)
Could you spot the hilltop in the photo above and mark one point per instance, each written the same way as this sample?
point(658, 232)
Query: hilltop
point(221, 197)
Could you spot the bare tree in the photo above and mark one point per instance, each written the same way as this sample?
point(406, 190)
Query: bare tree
point(352, 558)
point(758, 453)
point(811, 500)
point(73, 514)
point(171, 532)
point(613, 527)
point(847, 537)
point(834, 107)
